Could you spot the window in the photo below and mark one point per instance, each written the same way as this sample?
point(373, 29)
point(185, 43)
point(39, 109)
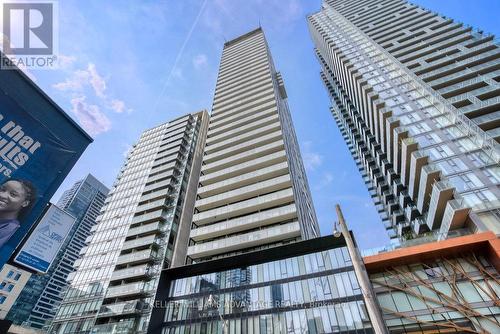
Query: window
point(2, 299)
point(18, 275)
point(10, 274)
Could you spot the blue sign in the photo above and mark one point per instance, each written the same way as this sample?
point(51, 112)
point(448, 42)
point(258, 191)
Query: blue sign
point(42, 246)
point(39, 144)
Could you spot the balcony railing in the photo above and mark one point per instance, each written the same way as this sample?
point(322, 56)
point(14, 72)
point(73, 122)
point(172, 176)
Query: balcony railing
point(139, 288)
point(122, 327)
point(123, 308)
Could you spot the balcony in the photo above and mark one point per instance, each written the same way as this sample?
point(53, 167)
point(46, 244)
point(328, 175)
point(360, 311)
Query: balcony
point(164, 175)
point(123, 308)
point(243, 157)
point(408, 145)
point(133, 272)
point(163, 165)
point(273, 118)
point(138, 288)
point(245, 137)
point(148, 229)
point(404, 199)
point(156, 194)
point(442, 192)
point(455, 216)
point(216, 123)
point(146, 255)
point(125, 326)
point(398, 218)
point(400, 133)
point(246, 167)
point(262, 218)
point(392, 207)
point(148, 206)
point(430, 173)
point(411, 212)
point(157, 185)
point(242, 121)
point(418, 160)
point(251, 239)
point(244, 207)
point(245, 107)
point(239, 194)
point(140, 242)
point(71, 276)
point(419, 226)
point(242, 147)
point(149, 217)
point(243, 179)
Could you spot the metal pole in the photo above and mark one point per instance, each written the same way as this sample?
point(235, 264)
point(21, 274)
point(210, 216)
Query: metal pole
point(363, 279)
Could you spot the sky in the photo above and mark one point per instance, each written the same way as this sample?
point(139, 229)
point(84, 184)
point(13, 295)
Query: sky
point(131, 65)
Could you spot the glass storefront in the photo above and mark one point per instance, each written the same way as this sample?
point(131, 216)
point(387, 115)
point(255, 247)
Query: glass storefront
point(310, 293)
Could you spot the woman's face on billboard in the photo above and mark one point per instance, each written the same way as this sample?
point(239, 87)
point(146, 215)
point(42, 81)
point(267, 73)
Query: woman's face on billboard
point(13, 197)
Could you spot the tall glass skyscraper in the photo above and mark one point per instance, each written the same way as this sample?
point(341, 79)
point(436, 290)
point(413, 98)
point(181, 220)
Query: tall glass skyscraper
point(143, 228)
point(40, 298)
point(253, 191)
point(416, 96)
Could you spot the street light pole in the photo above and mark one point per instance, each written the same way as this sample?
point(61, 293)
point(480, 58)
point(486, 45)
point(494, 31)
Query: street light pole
point(363, 279)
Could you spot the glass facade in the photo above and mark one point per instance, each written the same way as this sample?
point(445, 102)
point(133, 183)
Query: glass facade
point(136, 234)
point(316, 292)
point(449, 294)
point(426, 164)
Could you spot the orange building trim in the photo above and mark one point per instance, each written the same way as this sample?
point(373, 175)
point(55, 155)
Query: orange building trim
point(485, 243)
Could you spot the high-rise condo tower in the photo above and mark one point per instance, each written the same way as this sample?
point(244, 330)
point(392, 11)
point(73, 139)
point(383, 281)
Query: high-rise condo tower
point(417, 99)
point(253, 191)
point(142, 229)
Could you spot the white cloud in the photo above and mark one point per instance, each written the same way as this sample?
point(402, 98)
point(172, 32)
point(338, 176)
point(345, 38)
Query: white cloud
point(96, 81)
point(64, 61)
point(90, 116)
point(117, 105)
point(76, 83)
point(89, 77)
point(81, 78)
point(200, 61)
point(311, 159)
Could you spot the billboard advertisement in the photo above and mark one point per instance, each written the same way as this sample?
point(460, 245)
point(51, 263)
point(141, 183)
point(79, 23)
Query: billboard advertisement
point(43, 244)
point(39, 144)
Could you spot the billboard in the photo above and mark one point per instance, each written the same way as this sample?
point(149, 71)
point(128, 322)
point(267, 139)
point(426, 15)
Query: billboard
point(43, 244)
point(39, 144)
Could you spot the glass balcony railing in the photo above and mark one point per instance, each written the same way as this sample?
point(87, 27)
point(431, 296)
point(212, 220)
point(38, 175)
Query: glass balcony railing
point(140, 256)
point(139, 288)
point(123, 308)
point(425, 238)
point(121, 327)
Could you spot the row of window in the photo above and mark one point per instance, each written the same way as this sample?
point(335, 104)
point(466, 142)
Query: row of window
point(290, 294)
point(265, 272)
point(338, 318)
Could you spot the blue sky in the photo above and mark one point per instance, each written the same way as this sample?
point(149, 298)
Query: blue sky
point(131, 65)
